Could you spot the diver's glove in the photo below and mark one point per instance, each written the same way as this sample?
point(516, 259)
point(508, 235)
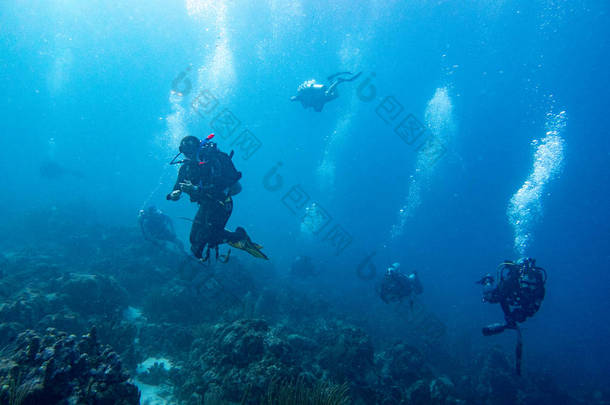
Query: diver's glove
point(242, 241)
point(174, 195)
point(188, 187)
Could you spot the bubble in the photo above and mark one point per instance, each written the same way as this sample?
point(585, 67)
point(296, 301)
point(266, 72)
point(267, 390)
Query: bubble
point(439, 120)
point(525, 209)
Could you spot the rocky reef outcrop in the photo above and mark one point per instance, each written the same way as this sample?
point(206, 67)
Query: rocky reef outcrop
point(57, 368)
point(189, 333)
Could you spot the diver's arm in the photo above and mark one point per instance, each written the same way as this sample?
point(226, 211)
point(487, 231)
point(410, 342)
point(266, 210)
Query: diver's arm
point(331, 93)
point(331, 88)
point(174, 195)
point(177, 190)
point(143, 229)
point(192, 190)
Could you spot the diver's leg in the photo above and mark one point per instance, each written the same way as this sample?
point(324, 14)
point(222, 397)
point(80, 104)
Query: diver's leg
point(331, 77)
point(354, 77)
point(331, 92)
point(200, 231)
point(518, 351)
point(351, 79)
point(509, 316)
point(220, 212)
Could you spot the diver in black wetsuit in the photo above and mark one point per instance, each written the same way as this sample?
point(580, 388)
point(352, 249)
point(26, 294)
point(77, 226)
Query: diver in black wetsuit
point(303, 266)
point(210, 179)
point(519, 291)
point(396, 286)
point(315, 95)
point(158, 227)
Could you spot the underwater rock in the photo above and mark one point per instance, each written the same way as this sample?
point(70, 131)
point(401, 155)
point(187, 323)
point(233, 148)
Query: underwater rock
point(406, 364)
point(188, 312)
point(4, 263)
point(64, 320)
point(233, 356)
point(347, 355)
point(301, 343)
point(243, 341)
point(187, 304)
point(347, 352)
point(419, 393)
point(440, 389)
point(496, 381)
point(121, 336)
point(93, 294)
point(165, 338)
point(28, 307)
point(9, 332)
point(57, 368)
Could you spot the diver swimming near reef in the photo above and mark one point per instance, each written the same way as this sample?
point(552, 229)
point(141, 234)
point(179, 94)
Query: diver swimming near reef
point(519, 291)
point(210, 179)
point(157, 227)
point(315, 95)
point(397, 286)
point(303, 266)
point(51, 170)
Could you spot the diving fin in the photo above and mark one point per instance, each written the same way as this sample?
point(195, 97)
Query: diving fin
point(331, 77)
point(342, 79)
point(244, 243)
point(354, 77)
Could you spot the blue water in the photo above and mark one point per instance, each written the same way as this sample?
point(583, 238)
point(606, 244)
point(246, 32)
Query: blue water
point(107, 90)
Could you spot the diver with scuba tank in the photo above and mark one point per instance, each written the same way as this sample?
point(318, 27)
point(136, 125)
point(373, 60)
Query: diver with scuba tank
point(397, 286)
point(210, 179)
point(315, 95)
point(519, 290)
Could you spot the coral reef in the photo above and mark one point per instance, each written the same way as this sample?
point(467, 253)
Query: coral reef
point(58, 368)
point(217, 333)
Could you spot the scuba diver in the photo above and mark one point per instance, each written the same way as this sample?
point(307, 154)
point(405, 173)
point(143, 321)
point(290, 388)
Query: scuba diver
point(210, 179)
point(519, 291)
point(396, 286)
point(157, 227)
point(315, 95)
point(302, 266)
point(51, 170)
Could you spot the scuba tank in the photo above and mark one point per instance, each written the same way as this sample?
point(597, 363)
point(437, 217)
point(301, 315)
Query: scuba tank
point(494, 329)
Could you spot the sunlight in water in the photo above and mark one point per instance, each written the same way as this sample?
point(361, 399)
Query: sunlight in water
point(524, 208)
point(59, 73)
point(350, 56)
point(326, 168)
point(175, 121)
point(216, 74)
